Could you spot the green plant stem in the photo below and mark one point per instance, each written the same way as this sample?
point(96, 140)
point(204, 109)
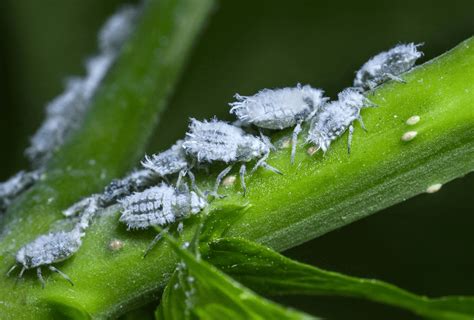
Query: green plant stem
point(317, 194)
point(110, 141)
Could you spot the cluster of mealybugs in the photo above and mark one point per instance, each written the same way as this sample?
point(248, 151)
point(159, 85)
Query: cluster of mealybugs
point(146, 197)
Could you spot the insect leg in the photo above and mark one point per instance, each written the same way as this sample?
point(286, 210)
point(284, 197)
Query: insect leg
point(349, 138)
point(361, 122)
point(21, 272)
point(219, 178)
point(194, 186)
point(242, 171)
point(155, 241)
point(62, 274)
point(181, 174)
point(394, 77)
point(40, 277)
point(260, 162)
point(294, 140)
point(11, 269)
point(272, 169)
point(180, 227)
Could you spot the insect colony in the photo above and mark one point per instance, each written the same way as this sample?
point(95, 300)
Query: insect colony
point(145, 196)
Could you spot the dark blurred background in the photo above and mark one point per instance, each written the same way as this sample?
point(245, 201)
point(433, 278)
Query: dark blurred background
point(424, 244)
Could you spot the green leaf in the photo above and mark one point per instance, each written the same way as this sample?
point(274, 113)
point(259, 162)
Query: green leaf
point(268, 272)
point(198, 290)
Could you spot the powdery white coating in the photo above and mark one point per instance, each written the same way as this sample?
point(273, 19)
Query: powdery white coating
point(65, 113)
point(16, 185)
point(62, 116)
point(118, 28)
point(136, 181)
point(209, 141)
point(408, 136)
point(50, 248)
point(336, 117)
point(159, 206)
point(387, 65)
point(278, 108)
point(167, 162)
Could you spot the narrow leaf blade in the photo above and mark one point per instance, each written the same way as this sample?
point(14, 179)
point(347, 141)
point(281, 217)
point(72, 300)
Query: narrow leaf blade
point(266, 271)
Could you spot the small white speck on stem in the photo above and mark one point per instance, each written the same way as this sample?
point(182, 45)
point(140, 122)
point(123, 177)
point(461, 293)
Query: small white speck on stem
point(116, 245)
point(434, 188)
point(413, 120)
point(409, 135)
point(229, 181)
point(312, 150)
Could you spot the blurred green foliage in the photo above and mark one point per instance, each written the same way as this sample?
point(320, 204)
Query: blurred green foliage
point(249, 45)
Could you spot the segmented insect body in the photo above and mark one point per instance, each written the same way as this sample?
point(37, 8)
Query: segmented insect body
point(57, 246)
point(279, 109)
point(159, 206)
point(48, 249)
point(211, 141)
point(136, 181)
point(337, 117)
point(167, 162)
point(387, 65)
point(16, 185)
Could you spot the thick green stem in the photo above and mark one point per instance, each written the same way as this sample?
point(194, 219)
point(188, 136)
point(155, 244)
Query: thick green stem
point(111, 140)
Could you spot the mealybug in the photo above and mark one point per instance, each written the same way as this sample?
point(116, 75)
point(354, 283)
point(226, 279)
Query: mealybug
point(138, 180)
point(279, 109)
point(117, 28)
point(65, 113)
point(388, 65)
point(336, 117)
point(161, 205)
point(57, 246)
point(48, 249)
point(210, 141)
point(167, 162)
point(16, 185)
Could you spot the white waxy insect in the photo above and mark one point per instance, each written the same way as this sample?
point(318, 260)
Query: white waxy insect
point(336, 117)
point(279, 109)
point(65, 113)
point(388, 65)
point(136, 181)
point(159, 206)
point(46, 250)
point(11, 188)
point(211, 141)
point(56, 246)
point(118, 28)
point(167, 162)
